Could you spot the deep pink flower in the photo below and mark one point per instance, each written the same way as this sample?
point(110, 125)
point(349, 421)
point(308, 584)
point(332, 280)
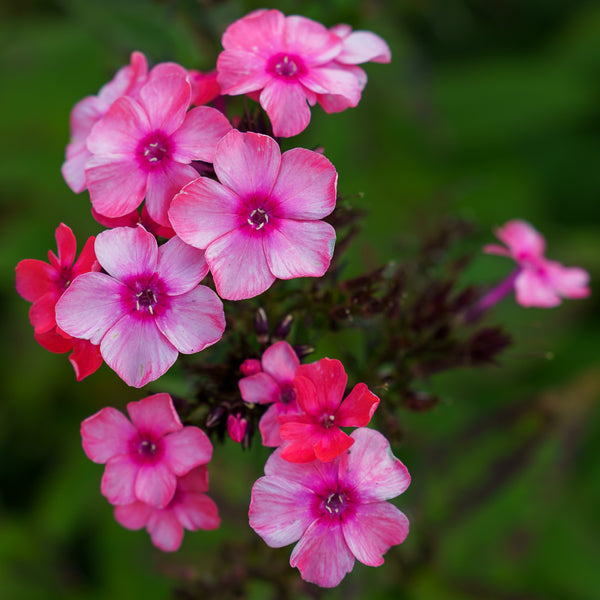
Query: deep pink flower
point(143, 456)
point(190, 508)
point(146, 308)
point(262, 221)
point(538, 282)
point(337, 510)
point(143, 147)
point(286, 61)
point(204, 86)
point(236, 427)
point(87, 112)
point(316, 433)
point(273, 384)
point(44, 283)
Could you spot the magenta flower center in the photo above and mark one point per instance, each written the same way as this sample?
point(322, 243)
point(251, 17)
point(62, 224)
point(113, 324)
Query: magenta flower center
point(286, 65)
point(258, 218)
point(153, 150)
point(288, 394)
point(147, 449)
point(335, 504)
point(146, 299)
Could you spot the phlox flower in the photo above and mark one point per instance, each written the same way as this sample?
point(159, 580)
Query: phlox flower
point(262, 221)
point(134, 218)
point(315, 432)
point(273, 384)
point(537, 281)
point(190, 508)
point(286, 63)
point(337, 510)
point(146, 308)
point(44, 283)
point(144, 456)
point(88, 111)
point(143, 147)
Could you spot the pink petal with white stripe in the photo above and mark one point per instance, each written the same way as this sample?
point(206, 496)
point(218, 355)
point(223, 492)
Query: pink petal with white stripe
point(323, 80)
point(180, 266)
point(310, 40)
point(106, 434)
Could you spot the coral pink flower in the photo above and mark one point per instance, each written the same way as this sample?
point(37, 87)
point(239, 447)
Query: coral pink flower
point(538, 281)
point(143, 147)
point(43, 284)
point(190, 508)
point(337, 510)
point(146, 308)
point(273, 384)
point(87, 112)
point(262, 221)
point(320, 387)
point(286, 62)
point(143, 456)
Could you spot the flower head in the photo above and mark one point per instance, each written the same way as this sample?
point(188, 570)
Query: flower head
point(337, 510)
point(143, 147)
point(538, 281)
point(144, 456)
point(262, 221)
point(146, 308)
point(190, 508)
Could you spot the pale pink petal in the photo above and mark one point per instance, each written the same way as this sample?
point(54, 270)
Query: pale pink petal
point(298, 248)
point(372, 529)
point(364, 46)
point(73, 169)
point(569, 282)
point(306, 186)
point(85, 115)
point(340, 82)
point(90, 306)
point(166, 97)
point(248, 163)
point(186, 449)
point(311, 40)
point(238, 265)
point(165, 530)
point(116, 186)
point(197, 137)
point(119, 132)
point(180, 266)
point(241, 72)
point(106, 434)
point(371, 469)
point(322, 556)
point(155, 484)
point(286, 104)
point(137, 351)
point(534, 289)
point(34, 278)
point(259, 388)
point(133, 516)
point(197, 511)
point(280, 361)
point(280, 510)
point(193, 321)
point(357, 409)
point(522, 239)
point(164, 183)
point(118, 480)
point(127, 81)
point(154, 416)
point(317, 476)
point(329, 379)
point(258, 30)
point(204, 210)
point(127, 252)
point(333, 103)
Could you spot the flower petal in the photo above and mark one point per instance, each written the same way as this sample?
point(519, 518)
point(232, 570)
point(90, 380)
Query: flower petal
point(85, 358)
point(269, 428)
point(364, 46)
point(522, 239)
point(329, 379)
point(280, 361)
point(569, 282)
point(286, 104)
point(197, 511)
point(259, 388)
point(180, 267)
point(185, 449)
point(358, 408)
point(155, 484)
point(241, 72)
point(154, 416)
point(34, 278)
point(331, 444)
point(118, 480)
point(133, 516)
point(106, 434)
point(533, 289)
point(165, 530)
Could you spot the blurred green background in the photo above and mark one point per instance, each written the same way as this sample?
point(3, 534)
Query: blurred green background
point(489, 111)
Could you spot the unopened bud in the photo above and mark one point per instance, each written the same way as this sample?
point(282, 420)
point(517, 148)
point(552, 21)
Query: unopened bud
point(251, 366)
point(283, 327)
point(236, 427)
point(215, 416)
point(261, 326)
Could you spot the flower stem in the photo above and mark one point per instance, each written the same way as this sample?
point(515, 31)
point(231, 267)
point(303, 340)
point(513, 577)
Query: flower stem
point(492, 297)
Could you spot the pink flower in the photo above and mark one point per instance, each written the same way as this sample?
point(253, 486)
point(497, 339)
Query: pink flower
point(204, 86)
point(143, 147)
point(262, 221)
point(87, 112)
point(337, 510)
point(538, 281)
point(43, 284)
point(133, 219)
point(146, 308)
point(144, 456)
point(190, 508)
point(273, 384)
point(286, 61)
point(320, 387)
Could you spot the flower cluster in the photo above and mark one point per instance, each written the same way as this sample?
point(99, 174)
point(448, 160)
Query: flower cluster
point(198, 211)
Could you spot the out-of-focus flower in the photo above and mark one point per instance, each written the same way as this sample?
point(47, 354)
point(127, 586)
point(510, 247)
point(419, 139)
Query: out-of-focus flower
point(263, 220)
point(337, 510)
point(190, 508)
point(143, 147)
point(143, 456)
point(315, 432)
point(146, 308)
point(236, 427)
point(537, 281)
point(273, 384)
